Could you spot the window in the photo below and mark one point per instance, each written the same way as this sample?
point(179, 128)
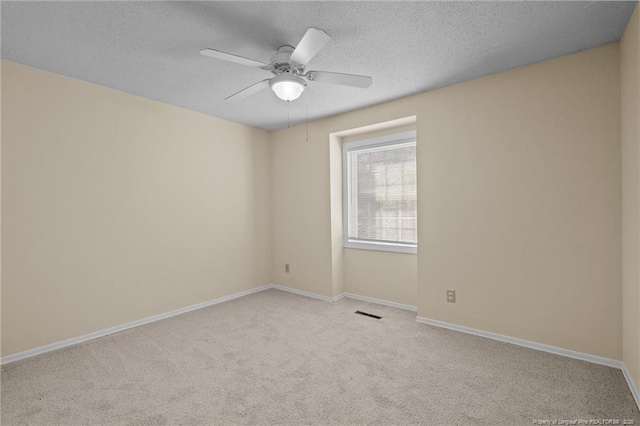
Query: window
point(380, 196)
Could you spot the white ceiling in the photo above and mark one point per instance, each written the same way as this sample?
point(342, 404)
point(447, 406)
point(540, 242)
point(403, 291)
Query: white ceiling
point(151, 49)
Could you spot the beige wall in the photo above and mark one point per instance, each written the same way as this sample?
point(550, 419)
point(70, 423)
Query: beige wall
point(301, 229)
point(382, 275)
point(519, 201)
point(630, 73)
point(116, 208)
point(335, 189)
point(520, 213)
point(0, 210)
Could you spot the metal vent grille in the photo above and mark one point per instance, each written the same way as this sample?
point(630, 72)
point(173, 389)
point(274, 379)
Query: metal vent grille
point(368, 314)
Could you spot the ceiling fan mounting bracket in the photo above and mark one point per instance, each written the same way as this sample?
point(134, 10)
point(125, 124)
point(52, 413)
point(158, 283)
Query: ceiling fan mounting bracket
point(281, 64)
point(286, 68)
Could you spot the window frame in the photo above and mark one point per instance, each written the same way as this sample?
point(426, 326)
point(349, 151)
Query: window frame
point(375, 142)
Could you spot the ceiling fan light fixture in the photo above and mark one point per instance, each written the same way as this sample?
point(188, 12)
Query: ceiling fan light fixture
point(287, 87)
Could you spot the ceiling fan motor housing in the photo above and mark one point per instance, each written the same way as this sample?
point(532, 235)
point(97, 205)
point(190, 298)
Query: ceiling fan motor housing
point(281, 64)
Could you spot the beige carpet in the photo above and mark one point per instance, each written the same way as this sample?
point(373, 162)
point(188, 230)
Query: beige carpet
point(278, 358)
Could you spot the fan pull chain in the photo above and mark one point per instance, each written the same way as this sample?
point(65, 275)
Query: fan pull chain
point(288, 121)
point(306, 118)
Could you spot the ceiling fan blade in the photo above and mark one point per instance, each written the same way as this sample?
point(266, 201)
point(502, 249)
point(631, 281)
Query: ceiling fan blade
point(233, 58)
point(312, 42)
point(248, 91)
point(354, 80)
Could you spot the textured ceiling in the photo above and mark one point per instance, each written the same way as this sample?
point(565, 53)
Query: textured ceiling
point(151, 49)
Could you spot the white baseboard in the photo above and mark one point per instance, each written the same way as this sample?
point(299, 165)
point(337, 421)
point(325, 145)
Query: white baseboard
point(75, 340)
point(306, 293)
point(343, 295)
point(381, 302)
point(338, 297)
point(526, 343)
point(347, 295)
point(632, 385)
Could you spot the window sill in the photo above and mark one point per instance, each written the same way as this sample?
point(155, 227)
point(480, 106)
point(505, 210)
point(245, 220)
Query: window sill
point(393, 248)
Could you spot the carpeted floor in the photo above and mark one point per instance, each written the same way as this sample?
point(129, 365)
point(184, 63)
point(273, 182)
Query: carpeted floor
point(277, 358)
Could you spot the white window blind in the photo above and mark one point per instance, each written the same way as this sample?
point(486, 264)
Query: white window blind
point(381, 193)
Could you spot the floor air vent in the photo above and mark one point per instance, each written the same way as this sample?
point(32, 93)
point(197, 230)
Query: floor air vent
point(368, 315)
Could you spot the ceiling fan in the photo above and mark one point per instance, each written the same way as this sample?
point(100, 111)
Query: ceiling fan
point(288, 66)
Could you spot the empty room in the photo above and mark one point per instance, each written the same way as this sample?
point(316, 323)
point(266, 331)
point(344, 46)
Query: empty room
point(320, 213)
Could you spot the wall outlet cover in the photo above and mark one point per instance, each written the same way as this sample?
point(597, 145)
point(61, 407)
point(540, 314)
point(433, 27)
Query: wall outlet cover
point(451, 296)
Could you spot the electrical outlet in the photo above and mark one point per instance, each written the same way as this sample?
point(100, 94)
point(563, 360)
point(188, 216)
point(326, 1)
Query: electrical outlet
point(286, 268)
point(451, 296)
